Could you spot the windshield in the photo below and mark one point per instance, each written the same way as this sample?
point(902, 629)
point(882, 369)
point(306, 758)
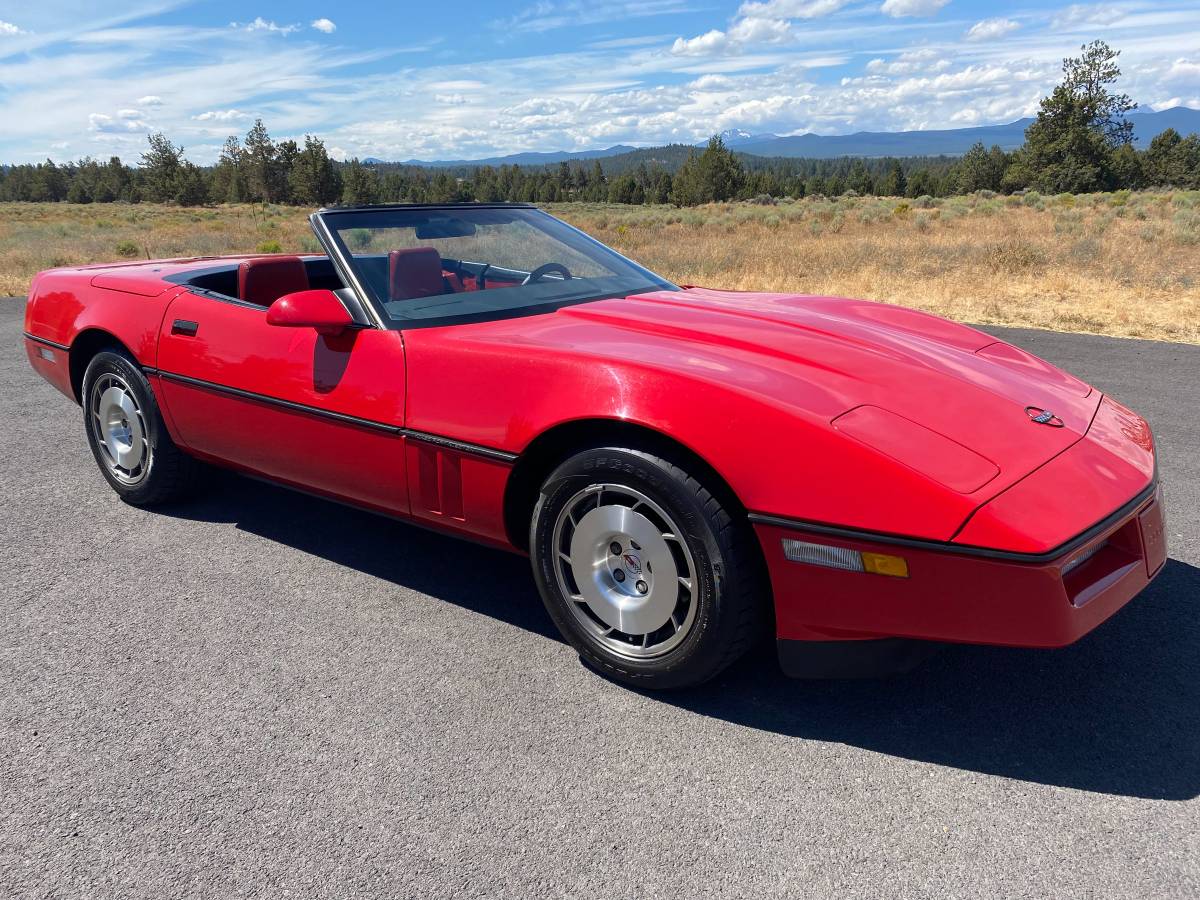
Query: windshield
point(428, 265)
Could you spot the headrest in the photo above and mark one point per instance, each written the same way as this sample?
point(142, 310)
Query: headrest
point(415, 272)
point(264, 280)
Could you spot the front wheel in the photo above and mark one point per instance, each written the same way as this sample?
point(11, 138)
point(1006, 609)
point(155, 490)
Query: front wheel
point(643, 570)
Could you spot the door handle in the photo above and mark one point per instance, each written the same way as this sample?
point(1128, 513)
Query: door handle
point(184, 327)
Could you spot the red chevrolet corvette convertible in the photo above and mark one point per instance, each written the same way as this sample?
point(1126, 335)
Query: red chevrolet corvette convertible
point(687, 468)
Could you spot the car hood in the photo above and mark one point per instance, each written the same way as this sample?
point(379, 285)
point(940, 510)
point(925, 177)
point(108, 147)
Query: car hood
point(911, 385)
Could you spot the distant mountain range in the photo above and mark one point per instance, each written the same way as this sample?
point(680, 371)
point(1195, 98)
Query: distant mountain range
point(518, 159)
point(945, 142)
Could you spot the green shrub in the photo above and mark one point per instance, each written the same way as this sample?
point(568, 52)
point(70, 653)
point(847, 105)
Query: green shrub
point(1187, 228)
point(359, 238)
point(128, 249)
point(1086, 250)
point(269, 247)
point(1033, 198)
point(1068, 222)
point(901, 210)
point(1013, 255)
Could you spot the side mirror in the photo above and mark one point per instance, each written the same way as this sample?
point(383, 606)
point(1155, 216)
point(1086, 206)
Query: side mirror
point(319, 309)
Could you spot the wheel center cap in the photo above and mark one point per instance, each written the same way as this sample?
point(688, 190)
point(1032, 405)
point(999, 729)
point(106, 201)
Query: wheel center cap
point(633, 563)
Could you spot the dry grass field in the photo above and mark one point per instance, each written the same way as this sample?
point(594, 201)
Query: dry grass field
point(1118, 264)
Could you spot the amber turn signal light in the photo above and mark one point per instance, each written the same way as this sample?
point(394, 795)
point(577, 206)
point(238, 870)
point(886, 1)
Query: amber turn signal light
point(882, 564)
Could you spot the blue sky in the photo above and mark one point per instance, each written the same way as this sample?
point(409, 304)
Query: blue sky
point(460, 78)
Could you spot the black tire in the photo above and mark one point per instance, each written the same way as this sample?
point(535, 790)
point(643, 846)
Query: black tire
point(164, 472)
point(730, 595)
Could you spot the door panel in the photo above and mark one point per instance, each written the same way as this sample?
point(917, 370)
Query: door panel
point(318, 412)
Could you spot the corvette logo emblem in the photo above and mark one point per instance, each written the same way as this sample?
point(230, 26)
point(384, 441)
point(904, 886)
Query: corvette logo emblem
point(633, 564)
point(1043, 417)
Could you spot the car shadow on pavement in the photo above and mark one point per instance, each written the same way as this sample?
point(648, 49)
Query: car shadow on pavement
point(1116, 713)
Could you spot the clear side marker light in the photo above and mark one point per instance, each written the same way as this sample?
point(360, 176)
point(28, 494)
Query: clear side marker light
point(844, 559)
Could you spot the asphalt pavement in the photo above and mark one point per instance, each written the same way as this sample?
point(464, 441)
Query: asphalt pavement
point(264, 694)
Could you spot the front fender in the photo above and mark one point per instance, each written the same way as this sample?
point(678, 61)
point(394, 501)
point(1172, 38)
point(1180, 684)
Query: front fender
point(764, 430)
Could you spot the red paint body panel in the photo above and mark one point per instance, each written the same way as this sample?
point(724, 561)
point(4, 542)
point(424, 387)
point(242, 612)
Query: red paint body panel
point(359, 373)
point(918, 447)
point(1071, 492)
point(56, 369)
point(937, 447)
point(63, 304)
point(458, 492)
point(957, 598)
point(751, 383)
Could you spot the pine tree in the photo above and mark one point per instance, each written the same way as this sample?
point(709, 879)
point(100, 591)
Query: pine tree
point(1069, 146)
point(160, 168)
point(859, 180)
point(893, 183)
point(359, 184)
point(314, 180)
point(191, 186)
point(228, 180)
point(720, 173)
point(260, 165)
point(980, 170)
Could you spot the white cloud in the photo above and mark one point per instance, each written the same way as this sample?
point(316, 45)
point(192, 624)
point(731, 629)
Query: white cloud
point(1088, 14)
point(129, 113)
point(792, 9)
point(261, 24)
point(1184, 70)
point(8, 29)
point(221, 115)
point(757, 23)
point(910, 62)
point(547, 15)
point(449, 99)
point(744, 33)
point(899, 8)
point(991, 29)
point(104, 124)
point(150, 100)
point(706, 44)
point(325, 25)
point(756, 30)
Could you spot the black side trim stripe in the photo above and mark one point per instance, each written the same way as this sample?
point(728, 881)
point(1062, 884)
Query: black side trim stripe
point(877, 537)
point(463, 447)
point(224, 298)
point(41, 340)
point(424, 437)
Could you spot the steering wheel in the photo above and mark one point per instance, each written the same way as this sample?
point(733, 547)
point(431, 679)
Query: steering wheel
point(536, 275)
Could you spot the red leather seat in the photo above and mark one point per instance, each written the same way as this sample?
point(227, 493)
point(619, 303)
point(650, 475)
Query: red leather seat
point(416, 272)
point(266, 279)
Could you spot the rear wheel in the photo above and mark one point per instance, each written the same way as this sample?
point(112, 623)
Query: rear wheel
point(643, 569)
point(127, 435)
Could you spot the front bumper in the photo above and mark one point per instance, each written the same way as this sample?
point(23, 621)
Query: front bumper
point(959, 594)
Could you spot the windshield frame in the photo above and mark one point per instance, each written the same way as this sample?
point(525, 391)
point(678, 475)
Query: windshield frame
point(323, 224)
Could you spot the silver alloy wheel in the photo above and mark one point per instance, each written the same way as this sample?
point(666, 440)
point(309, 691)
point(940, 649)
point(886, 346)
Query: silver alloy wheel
point(119, 428)
point(625, 570)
